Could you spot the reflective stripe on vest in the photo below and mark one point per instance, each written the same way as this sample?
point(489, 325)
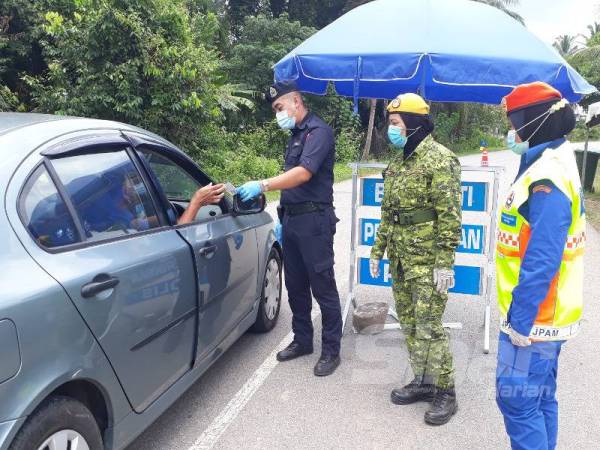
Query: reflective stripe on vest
point(560, 313)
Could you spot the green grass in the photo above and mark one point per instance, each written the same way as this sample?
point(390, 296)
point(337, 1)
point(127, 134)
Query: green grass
point(592, 203)
point(592, 209)
point(341, 172)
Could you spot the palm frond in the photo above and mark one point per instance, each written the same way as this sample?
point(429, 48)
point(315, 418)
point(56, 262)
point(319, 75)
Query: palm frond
point(503, 5)
point(232, 97)
point(588, 53)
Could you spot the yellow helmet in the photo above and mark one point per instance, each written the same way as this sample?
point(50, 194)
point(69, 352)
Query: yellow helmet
point(408, 103)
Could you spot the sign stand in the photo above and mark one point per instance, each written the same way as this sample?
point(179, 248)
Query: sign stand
point(471, 278)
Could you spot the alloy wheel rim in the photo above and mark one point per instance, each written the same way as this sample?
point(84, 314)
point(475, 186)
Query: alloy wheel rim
point(272, 288)
point(65, 440)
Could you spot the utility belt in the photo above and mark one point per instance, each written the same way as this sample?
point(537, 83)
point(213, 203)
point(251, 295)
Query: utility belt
point(295, 209)
point(413, 217)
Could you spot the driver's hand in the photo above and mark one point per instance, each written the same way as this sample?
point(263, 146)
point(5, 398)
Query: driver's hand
point(208, 195)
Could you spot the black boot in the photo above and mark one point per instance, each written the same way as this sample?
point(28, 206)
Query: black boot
point(326, 365)
point(293, 351)
point(417, 390)
point(442, 409)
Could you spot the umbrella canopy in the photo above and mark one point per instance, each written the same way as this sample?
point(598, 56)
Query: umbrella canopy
point(446, 50)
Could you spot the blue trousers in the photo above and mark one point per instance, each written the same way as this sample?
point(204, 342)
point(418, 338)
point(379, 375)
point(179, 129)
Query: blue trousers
point(308, 261)
point(526, 393)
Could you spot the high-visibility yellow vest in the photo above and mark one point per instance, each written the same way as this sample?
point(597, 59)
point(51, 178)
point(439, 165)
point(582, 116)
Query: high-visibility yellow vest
point(560, 314)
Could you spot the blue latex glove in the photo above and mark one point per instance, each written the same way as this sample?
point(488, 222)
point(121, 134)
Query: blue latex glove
point(249, 190)
point(279, 233)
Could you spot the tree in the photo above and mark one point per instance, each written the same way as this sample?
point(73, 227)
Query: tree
point(587, 62)
point(262, 42)
point(140, 62)
point(20, 29)
point(239, 10)
point(504, 5)
point(594, 29)
point(566, 45)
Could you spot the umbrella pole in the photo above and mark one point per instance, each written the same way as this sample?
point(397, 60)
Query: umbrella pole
point(585, 153)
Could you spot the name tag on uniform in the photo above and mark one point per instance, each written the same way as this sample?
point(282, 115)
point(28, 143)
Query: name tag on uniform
point(509, 219)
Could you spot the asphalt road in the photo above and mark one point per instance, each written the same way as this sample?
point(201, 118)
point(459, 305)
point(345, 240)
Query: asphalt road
point(248, 400)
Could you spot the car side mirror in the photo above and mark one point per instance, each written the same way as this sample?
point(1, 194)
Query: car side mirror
point(254, 206)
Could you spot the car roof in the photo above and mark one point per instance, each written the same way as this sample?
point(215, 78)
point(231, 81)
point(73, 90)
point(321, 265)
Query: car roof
point(13, 121)
point(33, 130)
point(21, 133)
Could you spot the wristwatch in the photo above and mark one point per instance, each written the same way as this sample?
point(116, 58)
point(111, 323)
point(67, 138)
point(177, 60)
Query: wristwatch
point(264, 185)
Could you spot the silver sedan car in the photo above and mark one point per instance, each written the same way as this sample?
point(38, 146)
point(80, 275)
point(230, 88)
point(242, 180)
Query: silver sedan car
point(110, 307)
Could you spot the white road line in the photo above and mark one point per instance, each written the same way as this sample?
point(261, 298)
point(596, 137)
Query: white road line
point(215, 430)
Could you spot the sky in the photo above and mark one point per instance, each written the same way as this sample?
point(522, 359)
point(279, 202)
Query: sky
point(551, 18)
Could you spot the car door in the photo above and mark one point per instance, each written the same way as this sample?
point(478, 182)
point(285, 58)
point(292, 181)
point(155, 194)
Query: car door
point(225, 247)
point(91, 222)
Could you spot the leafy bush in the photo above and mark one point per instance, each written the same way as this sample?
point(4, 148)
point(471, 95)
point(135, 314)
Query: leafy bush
point(462, 131)
point(239, 157)
point(348, 145)
point(8, 100)
point(580, 132)
point(138, 62)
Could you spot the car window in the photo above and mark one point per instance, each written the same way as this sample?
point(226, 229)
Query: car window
point(44, 212)
point(108, 194)
point(176, 183)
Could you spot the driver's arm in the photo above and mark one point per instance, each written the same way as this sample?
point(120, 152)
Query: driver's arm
point(207, 195)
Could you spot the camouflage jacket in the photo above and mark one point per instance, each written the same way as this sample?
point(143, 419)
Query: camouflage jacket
point(428, 179)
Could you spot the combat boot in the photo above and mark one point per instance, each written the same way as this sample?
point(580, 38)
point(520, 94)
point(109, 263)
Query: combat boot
point(442, 409)
point(415, 391)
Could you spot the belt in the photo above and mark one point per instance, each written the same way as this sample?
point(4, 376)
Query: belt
point(413, 217)
point(295, 209)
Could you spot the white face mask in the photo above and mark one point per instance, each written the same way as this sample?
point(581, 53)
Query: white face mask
point(520, 148)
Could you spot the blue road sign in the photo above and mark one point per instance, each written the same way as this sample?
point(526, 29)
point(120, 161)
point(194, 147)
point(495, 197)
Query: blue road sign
point(472, 241)
point(468, 278)
point(371, 191)
point(368, 231)
point(474, 194)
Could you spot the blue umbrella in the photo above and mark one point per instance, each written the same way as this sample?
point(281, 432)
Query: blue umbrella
point(447, 50)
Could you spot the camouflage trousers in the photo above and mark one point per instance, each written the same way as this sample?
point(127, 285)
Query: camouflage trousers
point(420, 309)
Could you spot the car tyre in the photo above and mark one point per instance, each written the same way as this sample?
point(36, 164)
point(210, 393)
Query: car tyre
point(63, 420)
point(270, 300)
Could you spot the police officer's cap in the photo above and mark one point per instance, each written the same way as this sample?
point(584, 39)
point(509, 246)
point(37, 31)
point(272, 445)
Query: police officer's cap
point(281, 88)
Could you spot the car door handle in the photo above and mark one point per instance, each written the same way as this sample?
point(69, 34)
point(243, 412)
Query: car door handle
point(100, 284)
point(208, 251)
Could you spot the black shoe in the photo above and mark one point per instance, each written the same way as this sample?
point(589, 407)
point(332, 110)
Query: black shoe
point(415, 391)
point(293, 351)
point(442, 409)
point(327, 365)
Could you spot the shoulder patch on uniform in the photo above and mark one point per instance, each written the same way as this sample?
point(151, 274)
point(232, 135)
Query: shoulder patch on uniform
point(542, 188)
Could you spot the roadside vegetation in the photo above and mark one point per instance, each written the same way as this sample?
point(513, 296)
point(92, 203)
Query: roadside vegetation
point(194, 71)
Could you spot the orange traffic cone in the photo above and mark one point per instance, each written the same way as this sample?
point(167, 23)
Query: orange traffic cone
point(484, 157)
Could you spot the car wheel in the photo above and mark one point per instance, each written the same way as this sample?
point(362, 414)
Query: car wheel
point(270, 301)
point(60, 424)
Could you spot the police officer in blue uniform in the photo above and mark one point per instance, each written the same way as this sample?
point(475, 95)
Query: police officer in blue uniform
point(307, 225)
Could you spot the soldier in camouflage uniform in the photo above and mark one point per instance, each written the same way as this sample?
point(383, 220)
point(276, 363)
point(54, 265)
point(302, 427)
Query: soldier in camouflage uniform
point(420, 229)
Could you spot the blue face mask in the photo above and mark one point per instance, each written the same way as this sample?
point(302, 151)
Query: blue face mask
point(396, 137)
point(284, 121)
point(520, 148)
